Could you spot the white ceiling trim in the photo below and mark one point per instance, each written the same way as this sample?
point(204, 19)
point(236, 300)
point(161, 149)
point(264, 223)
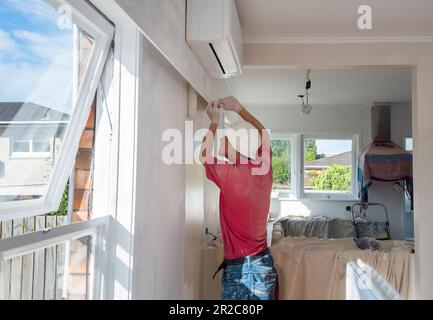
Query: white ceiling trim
point(333, 68)
point(337, 40)
point(298, 105)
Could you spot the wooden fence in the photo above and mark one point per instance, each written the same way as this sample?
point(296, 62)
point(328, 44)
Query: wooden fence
point(35, 276)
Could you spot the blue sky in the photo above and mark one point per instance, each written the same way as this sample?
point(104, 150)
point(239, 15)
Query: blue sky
point(35, 55)
point(333, 146)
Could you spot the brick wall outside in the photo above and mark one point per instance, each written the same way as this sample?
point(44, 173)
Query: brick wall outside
point(83, 172)
point(82, 210)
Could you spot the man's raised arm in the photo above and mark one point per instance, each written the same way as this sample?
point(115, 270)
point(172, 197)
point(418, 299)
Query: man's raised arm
point(231, 104)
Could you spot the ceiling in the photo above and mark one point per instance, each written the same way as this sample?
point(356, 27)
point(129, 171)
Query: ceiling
point(345, 87)
point(331, 20)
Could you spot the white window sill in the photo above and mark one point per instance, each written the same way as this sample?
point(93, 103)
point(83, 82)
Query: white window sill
point(30, 155)
point(317, 196)
point(283, 196)
point(314, 197)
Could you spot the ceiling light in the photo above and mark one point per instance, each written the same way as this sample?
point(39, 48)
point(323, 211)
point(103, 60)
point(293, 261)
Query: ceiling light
point(306, 106)
point(306, 109)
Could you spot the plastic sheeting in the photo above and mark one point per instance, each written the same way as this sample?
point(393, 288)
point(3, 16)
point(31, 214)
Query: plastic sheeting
point(316, 227)
point(328, 228)
point(316, 269)
point(364, 283)
point(310, 269)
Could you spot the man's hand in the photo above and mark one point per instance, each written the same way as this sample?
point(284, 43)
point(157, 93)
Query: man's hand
point(230, 104)
point(213, 111)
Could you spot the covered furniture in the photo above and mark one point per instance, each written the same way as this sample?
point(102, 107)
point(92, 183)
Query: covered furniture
point(310, 268)
point(323, 227)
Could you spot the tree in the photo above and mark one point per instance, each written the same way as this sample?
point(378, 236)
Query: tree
point(335, 178)
point(280, 148)
point(310, 150)
point(281, 163)
point(281, 171)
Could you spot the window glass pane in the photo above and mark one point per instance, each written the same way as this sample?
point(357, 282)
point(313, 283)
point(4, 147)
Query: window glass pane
point(60, 272)
point(84, 47)
point(9, 228)
point(45, 60)
point(408, 144)
point(21, 146)
point(281, 164)
point(328, 165)
point(41, 146)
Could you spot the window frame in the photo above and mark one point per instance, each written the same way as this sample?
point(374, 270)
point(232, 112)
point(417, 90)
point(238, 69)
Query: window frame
point(30, 154)
point(291, 194)
point(115, 153)
point(102, 31)
point(330, 196)
point(28, 243)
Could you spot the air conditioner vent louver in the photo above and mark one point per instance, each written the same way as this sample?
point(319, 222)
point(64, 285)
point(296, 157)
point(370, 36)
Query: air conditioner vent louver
point(217, 58)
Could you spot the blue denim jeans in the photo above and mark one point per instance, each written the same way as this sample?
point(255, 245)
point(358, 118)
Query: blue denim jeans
point(254, 279)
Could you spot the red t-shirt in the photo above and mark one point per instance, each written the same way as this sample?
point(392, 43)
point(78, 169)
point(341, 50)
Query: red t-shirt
point(245, 195)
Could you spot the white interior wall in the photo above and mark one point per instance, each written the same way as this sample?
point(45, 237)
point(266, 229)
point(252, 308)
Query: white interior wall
point(168, 234)
point(194, 220)
point(160, 212)
point(401, 122)
point(163, 23)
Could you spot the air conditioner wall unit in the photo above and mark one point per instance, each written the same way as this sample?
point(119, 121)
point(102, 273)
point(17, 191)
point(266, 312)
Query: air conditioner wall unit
point(214, 34)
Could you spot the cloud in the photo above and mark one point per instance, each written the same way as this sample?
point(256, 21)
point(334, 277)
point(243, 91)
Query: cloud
point(7, 44)
point(54, 86)
point(50, 86)
point(35, 55)
point(36, 9)
point(38, 68)
point(45, 47)
point(20, 81)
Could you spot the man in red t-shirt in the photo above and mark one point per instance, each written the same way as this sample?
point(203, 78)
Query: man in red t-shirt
point(245, 187)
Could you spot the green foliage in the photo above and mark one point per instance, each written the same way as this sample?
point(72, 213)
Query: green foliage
point(281, 170)
point(63, 208)
point(310, 178)
point(280, 148)
point(281, 163)
point(335, 178)
point(310, 150)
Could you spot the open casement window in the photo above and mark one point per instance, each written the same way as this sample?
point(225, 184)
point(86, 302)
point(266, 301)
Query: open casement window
point(51, 59)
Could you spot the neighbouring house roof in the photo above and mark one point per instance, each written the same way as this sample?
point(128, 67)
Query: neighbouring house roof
point(29, 112)
point(343, 159)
